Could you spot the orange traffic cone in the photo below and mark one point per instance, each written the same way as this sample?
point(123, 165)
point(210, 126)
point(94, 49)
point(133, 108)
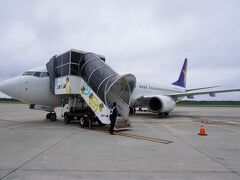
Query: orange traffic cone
point(202, 131)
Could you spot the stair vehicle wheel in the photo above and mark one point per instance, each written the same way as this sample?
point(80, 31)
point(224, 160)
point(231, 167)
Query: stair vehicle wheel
point(53, 117)
point(66, 118)
point(83, 122)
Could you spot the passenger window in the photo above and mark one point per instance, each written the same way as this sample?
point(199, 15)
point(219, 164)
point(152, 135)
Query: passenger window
point(37, 74)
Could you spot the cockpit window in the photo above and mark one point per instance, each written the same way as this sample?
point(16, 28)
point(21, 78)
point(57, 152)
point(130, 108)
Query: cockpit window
point(36, 74)
point(44, 74)
point(28, 73)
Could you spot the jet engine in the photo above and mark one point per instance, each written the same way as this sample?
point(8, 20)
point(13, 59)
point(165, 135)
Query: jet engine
point(160, 103)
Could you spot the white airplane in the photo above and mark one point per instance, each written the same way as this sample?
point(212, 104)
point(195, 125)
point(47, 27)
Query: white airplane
point(162, 99)
point(32, 87)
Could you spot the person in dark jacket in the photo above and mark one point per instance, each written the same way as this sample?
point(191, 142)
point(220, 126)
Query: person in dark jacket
point(113, 117)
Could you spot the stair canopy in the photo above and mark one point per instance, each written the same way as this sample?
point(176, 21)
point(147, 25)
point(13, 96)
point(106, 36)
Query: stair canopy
point(104, 81)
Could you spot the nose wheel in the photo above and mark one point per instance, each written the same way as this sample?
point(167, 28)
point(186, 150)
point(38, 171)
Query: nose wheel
point(51, 116)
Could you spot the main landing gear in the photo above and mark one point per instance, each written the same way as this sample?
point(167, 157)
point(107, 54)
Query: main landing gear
point(163, 114)
point(51, 116)
point(132, 110)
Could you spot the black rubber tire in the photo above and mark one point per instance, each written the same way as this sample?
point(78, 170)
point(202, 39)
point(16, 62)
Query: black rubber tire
point(166, 113)
point(83, 122)
point(131, 110)
point(161, 114)
point(53, 117)
point(48, 116)
point(66, 119)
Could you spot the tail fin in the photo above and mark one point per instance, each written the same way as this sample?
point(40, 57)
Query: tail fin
point(182, 77)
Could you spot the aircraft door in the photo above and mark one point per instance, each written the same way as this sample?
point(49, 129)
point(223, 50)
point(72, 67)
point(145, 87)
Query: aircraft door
point(25, 89)
point(28, 94)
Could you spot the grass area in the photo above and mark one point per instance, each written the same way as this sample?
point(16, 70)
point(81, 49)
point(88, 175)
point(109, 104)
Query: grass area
point(201, 105)
point(10, 101)
point(179, 104)
point(7, 102)
point(209, 103)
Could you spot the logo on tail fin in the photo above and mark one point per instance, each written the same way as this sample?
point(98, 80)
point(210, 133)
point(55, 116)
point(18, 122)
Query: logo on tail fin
point(183, 75)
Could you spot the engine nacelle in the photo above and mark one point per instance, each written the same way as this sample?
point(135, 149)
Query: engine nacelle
point(160, 103)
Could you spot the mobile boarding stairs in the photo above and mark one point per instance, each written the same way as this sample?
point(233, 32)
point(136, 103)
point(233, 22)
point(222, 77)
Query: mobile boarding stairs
point(88, 82)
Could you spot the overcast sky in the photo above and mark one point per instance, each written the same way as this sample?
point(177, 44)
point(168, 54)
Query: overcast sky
point(147, 38)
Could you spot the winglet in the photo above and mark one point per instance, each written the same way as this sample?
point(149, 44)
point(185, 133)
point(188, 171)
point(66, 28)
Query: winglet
point(182, 77)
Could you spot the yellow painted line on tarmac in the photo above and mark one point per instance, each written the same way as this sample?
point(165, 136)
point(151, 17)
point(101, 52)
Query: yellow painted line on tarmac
point(135, 136)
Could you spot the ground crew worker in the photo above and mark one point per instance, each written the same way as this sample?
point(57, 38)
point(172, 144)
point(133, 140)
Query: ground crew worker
point(113, 117)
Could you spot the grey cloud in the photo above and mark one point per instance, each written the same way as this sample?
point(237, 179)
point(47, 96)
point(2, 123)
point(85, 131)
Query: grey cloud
point(146, 38)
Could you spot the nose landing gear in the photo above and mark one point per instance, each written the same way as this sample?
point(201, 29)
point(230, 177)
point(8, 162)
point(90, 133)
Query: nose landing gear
point(51, 116)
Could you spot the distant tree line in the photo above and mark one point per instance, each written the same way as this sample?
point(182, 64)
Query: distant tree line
point(9, 100)
point(211, 103)
point(219, 103)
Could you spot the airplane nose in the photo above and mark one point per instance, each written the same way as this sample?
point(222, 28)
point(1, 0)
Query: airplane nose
point(11, 87)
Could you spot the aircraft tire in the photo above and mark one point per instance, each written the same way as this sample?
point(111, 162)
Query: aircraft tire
point(161, 114)
point(48, 116)
point(132, 110)
point(166, 113)
point(53, 117)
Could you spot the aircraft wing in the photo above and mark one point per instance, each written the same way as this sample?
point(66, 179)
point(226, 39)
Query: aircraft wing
point(191, 95)
point(201, 88)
